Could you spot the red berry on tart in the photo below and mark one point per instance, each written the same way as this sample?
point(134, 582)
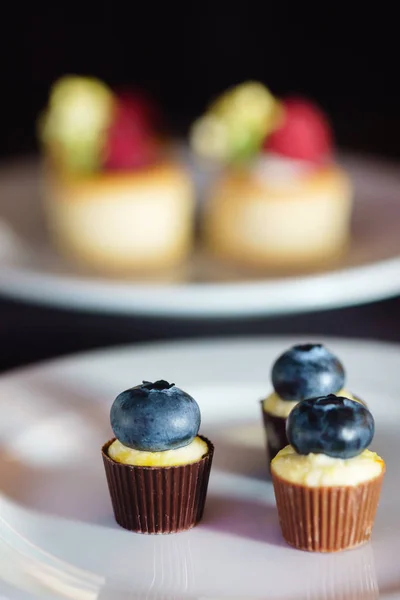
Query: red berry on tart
point(130, 141)
point(304, 134)
point(115, 199)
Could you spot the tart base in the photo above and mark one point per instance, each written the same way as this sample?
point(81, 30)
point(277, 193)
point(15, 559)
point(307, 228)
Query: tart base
point(295, 225)
point(122, 222)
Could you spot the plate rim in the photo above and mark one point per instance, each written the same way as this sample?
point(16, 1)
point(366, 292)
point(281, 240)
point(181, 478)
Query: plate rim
point(188, 343)
point(273, 297)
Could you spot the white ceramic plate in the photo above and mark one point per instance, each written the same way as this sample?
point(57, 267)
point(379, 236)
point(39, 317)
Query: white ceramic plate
point(30, 270)
point(57, 533)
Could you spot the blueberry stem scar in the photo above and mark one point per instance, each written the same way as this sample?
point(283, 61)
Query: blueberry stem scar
point(161, 384)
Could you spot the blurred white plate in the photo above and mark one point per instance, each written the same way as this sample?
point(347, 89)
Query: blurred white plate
point(57, 533)
point(31, 270)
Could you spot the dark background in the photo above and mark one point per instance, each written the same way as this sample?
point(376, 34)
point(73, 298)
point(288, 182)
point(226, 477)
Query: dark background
point(344, 57)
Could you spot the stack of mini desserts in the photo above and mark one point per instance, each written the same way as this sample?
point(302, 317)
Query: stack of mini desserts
point(327, 483)
point(282, 201)
point(115, 199)
point(303, 371)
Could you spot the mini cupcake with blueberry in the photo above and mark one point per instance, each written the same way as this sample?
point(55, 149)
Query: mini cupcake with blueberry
point(157, 466)
point(327, 483)
point(303, 371)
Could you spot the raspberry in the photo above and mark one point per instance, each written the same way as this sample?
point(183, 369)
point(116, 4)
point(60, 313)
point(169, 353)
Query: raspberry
point(305, 133)
point(130, 140)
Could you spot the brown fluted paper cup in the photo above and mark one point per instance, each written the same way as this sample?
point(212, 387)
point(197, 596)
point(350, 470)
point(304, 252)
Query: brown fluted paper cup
point(158, 499)
point(275, 433)
point(326, 519)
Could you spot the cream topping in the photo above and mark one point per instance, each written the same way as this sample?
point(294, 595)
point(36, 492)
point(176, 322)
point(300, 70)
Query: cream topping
point(276, 169)
point(191, 453)
point(276, 406)
point(315, 470)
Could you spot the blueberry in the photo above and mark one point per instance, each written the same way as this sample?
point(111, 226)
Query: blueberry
point(154, 417)
point(330, 425)
point(307, 371)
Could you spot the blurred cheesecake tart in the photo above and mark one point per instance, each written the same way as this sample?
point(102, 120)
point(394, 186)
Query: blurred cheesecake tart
point(115, 199)
point(281, 200)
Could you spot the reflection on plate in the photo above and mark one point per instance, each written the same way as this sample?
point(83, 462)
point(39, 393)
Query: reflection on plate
point(57, 532)
point(31, 270)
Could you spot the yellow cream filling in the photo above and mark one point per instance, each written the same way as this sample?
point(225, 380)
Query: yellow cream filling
point(320, 470)
point(191, 453)
point(274, 405)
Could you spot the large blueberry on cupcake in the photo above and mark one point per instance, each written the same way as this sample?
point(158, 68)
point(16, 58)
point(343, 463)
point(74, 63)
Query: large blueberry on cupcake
point(306, 371)
point(156, 451)
point(303, 371)
point(327, 482)
point(331, 425)
point(156, 424)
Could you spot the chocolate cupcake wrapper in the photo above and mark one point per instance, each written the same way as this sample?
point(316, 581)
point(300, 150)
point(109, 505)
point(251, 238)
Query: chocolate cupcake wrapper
point(326, 519)
point(275, 432)
point(158, 499)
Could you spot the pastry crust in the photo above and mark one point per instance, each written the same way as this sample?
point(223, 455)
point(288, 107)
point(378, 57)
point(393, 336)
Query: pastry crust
point(298, 222)
point(124, 221)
